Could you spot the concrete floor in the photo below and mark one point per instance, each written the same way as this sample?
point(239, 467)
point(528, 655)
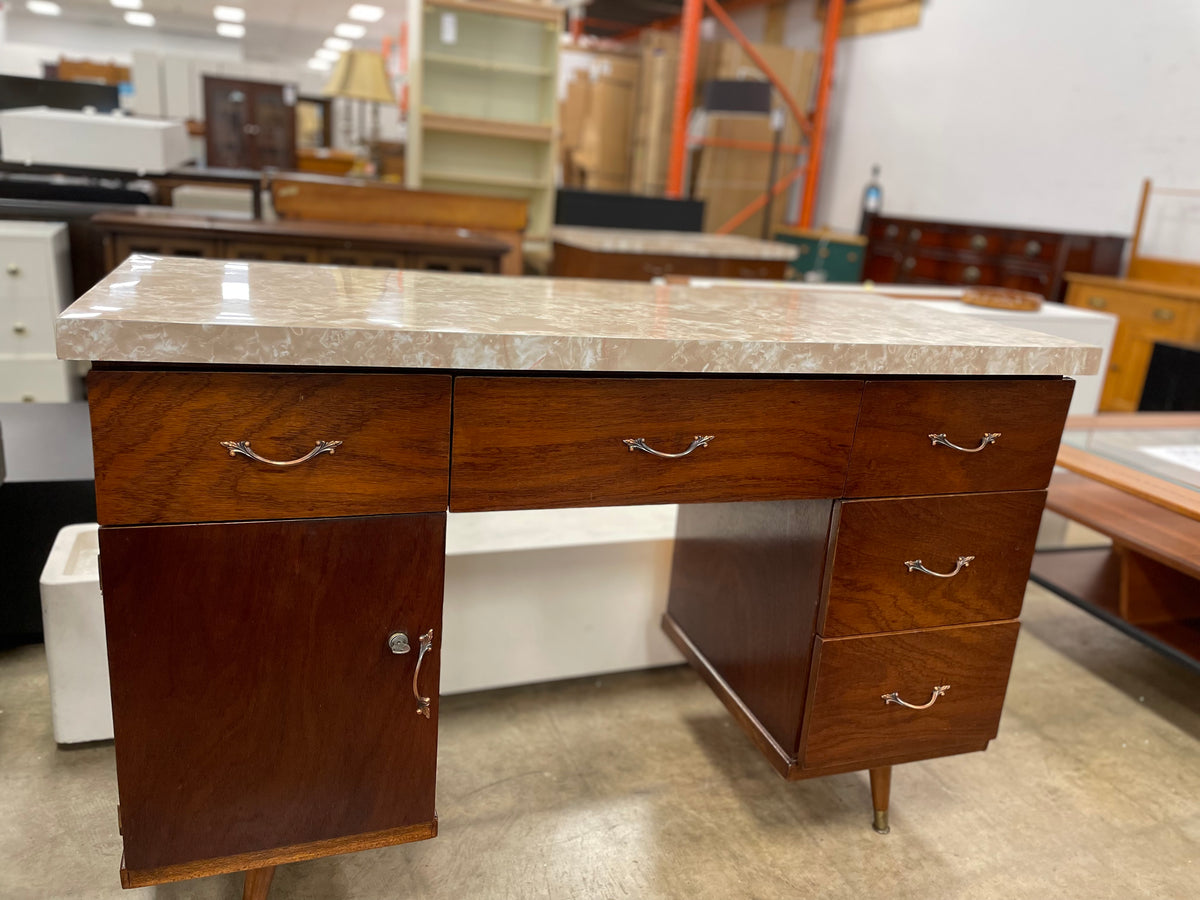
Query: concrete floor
point(640, 786)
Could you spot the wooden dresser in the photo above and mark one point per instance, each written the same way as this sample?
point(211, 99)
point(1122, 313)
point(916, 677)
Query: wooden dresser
point(920, 251)
point(276, 450)
point(1148, 311)
point(152, 230)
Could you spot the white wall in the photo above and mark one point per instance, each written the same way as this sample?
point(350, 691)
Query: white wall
point(1022, 112)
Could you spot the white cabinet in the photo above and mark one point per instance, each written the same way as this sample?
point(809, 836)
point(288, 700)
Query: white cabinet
point(35, 283)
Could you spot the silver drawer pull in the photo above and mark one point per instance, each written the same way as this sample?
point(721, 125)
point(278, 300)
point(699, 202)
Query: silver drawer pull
point(242, 448)
point(989, 438)
point(914, 565)
point(424, 642)
point(640, 444)
point(894, 697)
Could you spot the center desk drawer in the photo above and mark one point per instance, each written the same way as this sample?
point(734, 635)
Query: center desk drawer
point(225, 446)
point(540, 443)
point(921, 562)
point(906, 695)
point(950, 437)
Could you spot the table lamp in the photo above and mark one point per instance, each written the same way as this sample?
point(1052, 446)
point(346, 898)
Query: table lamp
point(361, 75)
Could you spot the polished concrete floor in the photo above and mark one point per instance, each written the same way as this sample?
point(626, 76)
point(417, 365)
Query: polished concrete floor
point(640, 786)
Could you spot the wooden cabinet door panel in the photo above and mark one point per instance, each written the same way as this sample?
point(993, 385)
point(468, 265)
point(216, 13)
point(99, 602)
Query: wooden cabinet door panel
point(256, 702)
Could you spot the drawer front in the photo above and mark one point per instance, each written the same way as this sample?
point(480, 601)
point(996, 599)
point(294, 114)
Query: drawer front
point(773, 269)
point(894, 455)
point(849, 721)
point(158, 441)
point(876, 581)
point(541, 443)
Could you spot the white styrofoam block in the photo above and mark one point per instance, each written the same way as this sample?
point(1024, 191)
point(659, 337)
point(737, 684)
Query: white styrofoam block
point(63, 137)
point(210, 199)
point(76, 653)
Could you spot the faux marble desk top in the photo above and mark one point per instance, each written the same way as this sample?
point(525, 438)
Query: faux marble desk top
point(175, 310)
point(671, 243)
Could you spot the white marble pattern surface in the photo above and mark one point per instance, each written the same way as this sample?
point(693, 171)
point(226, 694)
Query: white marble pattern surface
point(174, 310)
point(672, 243)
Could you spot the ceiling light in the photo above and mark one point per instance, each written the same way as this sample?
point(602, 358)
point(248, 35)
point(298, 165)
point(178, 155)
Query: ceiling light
point(43, 8)
point(321, 65)
point(365, 12)
point(140, 19)
point(231, 29)
point(338, 44)
point(326, 53)
point(346, 30)
point(126, 4)
point(229, 14)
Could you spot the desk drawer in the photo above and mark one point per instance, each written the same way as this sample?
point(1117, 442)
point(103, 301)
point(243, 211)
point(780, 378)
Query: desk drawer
point(894, 454)
point(159, 453)
point(985, 540)
point(539, 443)
point(849, 721)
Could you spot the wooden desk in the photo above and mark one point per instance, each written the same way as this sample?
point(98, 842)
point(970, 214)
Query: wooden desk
point(276, 450)
point(149, 230)
point(1149, 311)
point(633, 255)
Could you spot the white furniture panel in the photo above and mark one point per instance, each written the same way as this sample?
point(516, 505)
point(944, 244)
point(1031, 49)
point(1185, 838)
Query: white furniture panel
point(63, 137)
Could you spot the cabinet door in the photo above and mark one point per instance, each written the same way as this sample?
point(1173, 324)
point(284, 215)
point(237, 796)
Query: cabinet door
point(257, 705)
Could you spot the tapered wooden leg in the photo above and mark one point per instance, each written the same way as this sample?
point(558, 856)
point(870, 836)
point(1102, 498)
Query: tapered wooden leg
point(258, 883)
point(881, 789)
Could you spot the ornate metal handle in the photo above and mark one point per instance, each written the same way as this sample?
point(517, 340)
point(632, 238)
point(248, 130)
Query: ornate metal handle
point(894, 697)
point(914, 565)
point(242, 448)
point(640, 444)
point(989, 438)
point(424, 642)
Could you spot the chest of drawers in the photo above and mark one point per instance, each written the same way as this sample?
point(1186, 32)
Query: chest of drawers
point(850, 557)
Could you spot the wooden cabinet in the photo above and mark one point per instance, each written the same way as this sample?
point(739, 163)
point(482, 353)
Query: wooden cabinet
point(249, 124)
point(919, 251)
point(258, 706)
point(1147, 312)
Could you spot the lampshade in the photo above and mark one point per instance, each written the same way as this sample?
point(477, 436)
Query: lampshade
point(360, 75)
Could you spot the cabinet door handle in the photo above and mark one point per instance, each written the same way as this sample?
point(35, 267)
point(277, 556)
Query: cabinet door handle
point(640, 444)
point(914, 565)
point(242, 448)
point(1097, 302)
point(989, 438)
point(424, 642)
point(894, 697)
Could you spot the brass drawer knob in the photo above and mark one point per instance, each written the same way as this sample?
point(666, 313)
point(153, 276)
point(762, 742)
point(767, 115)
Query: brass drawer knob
point(1032, 248)
point(914, 235)
point(1164, 315)
point(940, 439)
point(242, 448)
point(914, 565)
point(910, 264)
point(971, 274)
point(978, 242)
point(12, 269)
point(1097, 302)
point(894, 697)
point(891, 231)
point(701, 440)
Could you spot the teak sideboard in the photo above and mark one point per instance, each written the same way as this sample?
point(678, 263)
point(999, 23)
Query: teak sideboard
point(851, 558)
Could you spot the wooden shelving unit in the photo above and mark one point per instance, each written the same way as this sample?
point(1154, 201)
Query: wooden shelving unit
point(482, 101)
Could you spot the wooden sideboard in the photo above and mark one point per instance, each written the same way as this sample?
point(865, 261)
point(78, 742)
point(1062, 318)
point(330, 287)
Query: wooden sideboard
point(1148, 311)
point(921, 251)
point(851, 554)
point(151, 230)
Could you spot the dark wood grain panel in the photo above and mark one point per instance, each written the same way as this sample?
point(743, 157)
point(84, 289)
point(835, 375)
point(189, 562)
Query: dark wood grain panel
point(256, 704)
point(158, 455)
point(848, 722)
point(745, 585)
point(893, 455)
point(530, 443)
point(576, 262)
point(869, 589)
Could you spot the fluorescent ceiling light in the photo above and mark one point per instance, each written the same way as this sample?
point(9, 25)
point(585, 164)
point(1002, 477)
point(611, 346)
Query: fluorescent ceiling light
point(140, 19)
point(126, 4)
point(43, 8)
point(365, 12)
point(231, 29)
point(326, 53)
point(229, 14)
point(346, 30)
point(320, 65)
point(338, 44)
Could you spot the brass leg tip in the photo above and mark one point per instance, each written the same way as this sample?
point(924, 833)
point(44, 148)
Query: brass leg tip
point(881, 821)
